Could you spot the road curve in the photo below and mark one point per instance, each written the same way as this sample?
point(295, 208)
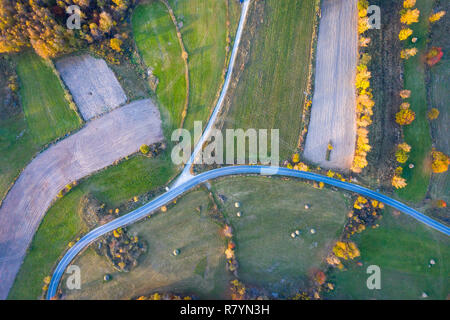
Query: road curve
point(217, 173)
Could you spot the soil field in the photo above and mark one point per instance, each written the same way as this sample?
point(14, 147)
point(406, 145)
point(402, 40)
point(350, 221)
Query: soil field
point(333, 117)
point(99, 144)
point(93, 85)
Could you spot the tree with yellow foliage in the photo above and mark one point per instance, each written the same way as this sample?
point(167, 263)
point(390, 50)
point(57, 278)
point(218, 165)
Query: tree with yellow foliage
point(405, 33)
point(116, 44)
point(405, 117)
point(409, 3)
point(346, 250)
point(295, 158)
point(363, 25)
point(398, 182)
point(433, 114)
point(440, 161)
point(436, 16)
point(409, 16)
point(408, 53)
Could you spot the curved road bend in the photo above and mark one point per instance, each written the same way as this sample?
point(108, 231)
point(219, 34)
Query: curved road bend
point(217, 173)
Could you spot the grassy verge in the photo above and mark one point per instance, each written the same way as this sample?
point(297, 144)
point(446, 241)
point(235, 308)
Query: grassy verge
point(46, 116)
point(270, 92)
point(402, 248)
point(271, 209)
point(417, 134)
point(156, 39)
point(63, 224)
point(198, 270)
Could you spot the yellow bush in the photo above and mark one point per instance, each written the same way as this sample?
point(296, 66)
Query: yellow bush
point(409, 3)
point(405, 33)
point(437, 16)
point(433, 114)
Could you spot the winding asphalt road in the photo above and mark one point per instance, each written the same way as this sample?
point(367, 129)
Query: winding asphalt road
point(217, 173)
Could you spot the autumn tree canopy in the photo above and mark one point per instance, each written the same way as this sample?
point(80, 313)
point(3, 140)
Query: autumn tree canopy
point(41, 24)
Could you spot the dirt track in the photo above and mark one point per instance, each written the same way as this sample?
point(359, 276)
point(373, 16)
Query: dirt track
point(99, 144)
point(333, 109)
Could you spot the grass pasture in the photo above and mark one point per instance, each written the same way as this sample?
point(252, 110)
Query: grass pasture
point(271, 210)
point(156, 39)
point(198, 270)
point(417, 134)
point(270, 92)
point(402, 248)
point(46, 116)
point(62, 223)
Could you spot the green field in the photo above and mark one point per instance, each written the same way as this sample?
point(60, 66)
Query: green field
point(402, 248)
point(198, 270)
point(271, 210)
point(62, 223)
point(417, 134)
point(270, 92)
point(203, 28)
point(156, 38)
point(46, 116)
point(440, 95)
point(204, 35)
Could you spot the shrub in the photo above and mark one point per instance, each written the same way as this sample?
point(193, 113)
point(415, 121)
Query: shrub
point(404, 94)
point(144, 149)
